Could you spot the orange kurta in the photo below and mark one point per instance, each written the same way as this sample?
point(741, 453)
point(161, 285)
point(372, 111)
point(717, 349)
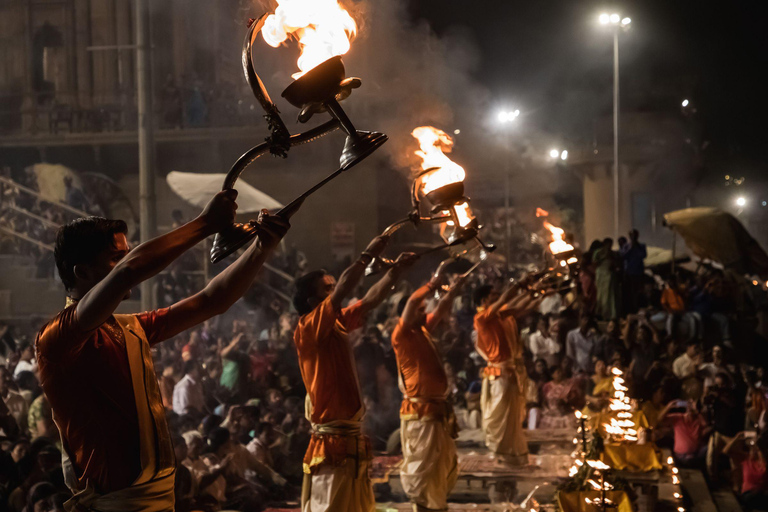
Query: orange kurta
point(497, 340)
point(87, 377)
point(422, 378)
point(329, 374)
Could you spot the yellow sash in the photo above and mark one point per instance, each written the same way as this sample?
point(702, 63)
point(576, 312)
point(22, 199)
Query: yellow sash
point(152, 491)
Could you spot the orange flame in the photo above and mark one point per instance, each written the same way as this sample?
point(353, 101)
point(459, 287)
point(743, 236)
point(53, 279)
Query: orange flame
point(558, 243)
point(463, 213)
point(541, 212)
point(433, 144)
point(323, 28)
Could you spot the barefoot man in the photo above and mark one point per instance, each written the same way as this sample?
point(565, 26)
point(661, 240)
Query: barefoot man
point(338, 457)
point(427, 424)
point(96, 367)
point(503, 393)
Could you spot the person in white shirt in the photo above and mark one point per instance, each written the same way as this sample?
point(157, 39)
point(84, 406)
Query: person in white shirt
point(188, 393)
point(27, 361)
point(708, 371)
point(543, 344)
point(551, 304)
point(686, 365)
point(17, 406)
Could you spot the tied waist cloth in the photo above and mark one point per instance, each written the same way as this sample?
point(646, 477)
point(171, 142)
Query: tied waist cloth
point(335, 442)
point(509, 368)
point(430, 409)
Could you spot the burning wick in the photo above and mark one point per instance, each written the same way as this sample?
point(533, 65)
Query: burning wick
point(323, 29)
point(433, 146)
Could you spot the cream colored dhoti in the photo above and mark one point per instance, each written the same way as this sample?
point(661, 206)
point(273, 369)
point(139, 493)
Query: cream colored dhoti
point(341, 482)
point(503, 405)
point(344, 488)
point(430, 466)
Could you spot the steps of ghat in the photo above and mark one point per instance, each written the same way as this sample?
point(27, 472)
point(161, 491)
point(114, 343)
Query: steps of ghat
point(486, 485)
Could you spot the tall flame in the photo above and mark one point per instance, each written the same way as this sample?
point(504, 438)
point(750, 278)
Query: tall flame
point(323, 28)
point(558, 243)
point(433, 144)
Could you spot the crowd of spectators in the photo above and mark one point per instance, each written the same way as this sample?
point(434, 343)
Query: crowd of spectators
point(35, 219)
point(234, 396)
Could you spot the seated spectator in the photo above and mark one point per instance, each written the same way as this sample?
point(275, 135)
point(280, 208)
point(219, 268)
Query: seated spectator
point(27, 361)
point(580, 344)
point(673, 302)
point(690, 432)
point(708, 371)
point(560, 397)
point(17, 406)
point(749, 463)
point(261, 445)
point(188, 397)
point(599, 387)
point(207, 477)
point(542, 344)
point(687, 364)
point(611, 343)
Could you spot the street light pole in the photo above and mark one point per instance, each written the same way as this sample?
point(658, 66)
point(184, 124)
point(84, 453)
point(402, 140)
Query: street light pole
point(618, 23)
point(616, 177)
point(147, 201)
point(505, 117)
point(507, 187)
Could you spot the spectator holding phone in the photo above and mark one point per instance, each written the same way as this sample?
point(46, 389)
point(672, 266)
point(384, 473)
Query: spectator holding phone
point(748, 457)
point(690, 432)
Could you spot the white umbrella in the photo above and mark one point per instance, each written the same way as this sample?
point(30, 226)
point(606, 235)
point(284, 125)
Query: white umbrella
point(197, 189)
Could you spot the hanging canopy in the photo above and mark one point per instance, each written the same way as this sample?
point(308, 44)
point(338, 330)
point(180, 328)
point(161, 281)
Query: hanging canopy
point(197, 189)
point(713, 234)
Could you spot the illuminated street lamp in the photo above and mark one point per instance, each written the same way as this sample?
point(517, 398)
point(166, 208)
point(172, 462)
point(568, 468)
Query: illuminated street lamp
point(741, 201)
point(557, 154)
point(506, 117)
point(685, 103)
point(617, 22)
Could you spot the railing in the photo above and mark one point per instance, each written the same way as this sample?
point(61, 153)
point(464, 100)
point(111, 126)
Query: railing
point(62, 114)
point(37, 194)
point(22, 236)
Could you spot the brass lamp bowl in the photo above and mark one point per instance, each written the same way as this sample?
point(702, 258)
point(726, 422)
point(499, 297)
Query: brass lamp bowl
point(319, 90)
point(447, 195)
point(317, 85)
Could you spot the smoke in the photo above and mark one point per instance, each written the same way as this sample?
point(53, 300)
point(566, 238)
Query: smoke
point(411, 77)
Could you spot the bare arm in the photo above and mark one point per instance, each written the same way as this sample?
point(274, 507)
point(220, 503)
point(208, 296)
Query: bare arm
point(444, 306)
point(505, 297)
point(150, 258)
point(227, 287)
point(411, 312)
point(229, 348)
point(379, 291)
point(350, 278)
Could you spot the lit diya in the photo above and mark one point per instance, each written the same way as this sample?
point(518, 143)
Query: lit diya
point(323, 29)
point(440, 181)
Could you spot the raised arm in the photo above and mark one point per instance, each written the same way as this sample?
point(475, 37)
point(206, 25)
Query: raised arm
point(350, 278)
point(505, 297)
point(150, 258)
point(410, 314)
point(443, 308)
point(227, 287)
point(383, 287)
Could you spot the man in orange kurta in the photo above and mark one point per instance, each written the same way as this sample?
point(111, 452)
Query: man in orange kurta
point(96, 367)
point(427, 424)
point(504, 378)
point(338, 457)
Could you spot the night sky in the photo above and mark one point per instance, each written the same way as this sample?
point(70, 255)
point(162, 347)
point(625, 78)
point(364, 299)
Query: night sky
point(553, 60)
